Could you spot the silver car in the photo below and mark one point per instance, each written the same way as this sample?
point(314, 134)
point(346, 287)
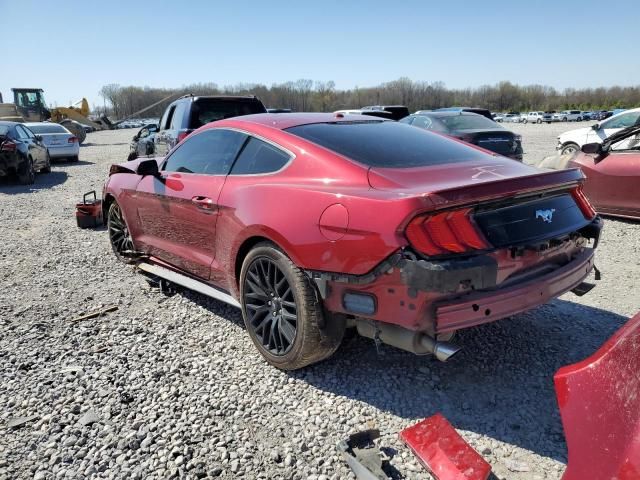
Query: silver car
point(60, 142)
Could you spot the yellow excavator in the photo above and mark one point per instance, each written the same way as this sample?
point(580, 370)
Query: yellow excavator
point(29, 106)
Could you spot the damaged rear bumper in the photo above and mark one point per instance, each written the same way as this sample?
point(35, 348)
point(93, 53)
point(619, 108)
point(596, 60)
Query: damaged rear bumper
point(483, 307)
point(441, 296)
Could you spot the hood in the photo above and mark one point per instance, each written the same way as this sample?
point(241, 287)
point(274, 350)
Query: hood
point(469, 181)
point(577, 132)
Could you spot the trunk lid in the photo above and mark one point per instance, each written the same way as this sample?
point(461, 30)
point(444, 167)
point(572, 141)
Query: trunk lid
point(515, 204)
point(55, 139)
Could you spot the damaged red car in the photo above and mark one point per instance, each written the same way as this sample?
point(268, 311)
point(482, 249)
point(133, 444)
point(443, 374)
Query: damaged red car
point(313, 223)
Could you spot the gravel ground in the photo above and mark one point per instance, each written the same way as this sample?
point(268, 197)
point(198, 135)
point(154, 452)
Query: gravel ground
point(170, 387)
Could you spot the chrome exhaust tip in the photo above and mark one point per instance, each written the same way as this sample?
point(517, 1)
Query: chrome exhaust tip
point(445, 350)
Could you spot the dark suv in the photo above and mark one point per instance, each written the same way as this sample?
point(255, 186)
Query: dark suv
point(188, 113)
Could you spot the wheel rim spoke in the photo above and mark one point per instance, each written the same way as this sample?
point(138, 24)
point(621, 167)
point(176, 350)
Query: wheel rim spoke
point(270, 306)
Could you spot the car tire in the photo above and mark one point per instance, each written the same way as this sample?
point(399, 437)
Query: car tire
point(119, 236)
point(524, 121)
point(569, 148)
point(539, 121)
point(132, 156)
point(75, 158)
point(283, 313)
point(47, 167)
point(564, 119)
point(26, 172)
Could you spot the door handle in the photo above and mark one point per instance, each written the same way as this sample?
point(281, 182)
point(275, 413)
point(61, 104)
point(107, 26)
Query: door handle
point(204, 203)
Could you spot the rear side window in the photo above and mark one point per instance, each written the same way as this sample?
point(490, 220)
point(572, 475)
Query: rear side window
point(178, 115)
point(166, 118)
point(4, 130)
point(387, 144)
point(210, 153)
point(209, 110)
point(259, 157)
point(48, 128)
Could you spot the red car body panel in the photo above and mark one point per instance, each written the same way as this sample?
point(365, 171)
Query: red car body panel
point(599, 401)
point(330, 214)
point(612, 181)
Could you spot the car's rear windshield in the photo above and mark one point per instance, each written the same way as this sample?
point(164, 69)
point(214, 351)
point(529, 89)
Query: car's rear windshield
point(467, 122)
point(386, 144)
point(48, 128)
point(205, 111)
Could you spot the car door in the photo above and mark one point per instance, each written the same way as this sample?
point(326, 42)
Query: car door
point(160, 140)
point(178, 209)
point(612, 182)
point(35, 151)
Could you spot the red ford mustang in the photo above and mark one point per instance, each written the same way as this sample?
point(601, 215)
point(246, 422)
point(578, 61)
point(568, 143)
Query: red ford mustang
point(313, 223)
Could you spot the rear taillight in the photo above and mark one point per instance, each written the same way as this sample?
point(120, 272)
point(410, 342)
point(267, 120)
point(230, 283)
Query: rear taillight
point(182, 136)
point(72, 139)
point(8, 146)
point(444, 233)
point(583, 202)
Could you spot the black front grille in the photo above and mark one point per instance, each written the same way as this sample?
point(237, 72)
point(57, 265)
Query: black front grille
point(531, 222)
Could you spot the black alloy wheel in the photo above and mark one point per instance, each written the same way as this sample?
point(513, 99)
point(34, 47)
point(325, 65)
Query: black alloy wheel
point(271, 307)
point(119, 235)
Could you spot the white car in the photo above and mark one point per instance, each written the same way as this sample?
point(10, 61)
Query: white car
point(60, 142)
point(534, 117)
point(568, 116)
point(512, 118)
point(573, 140)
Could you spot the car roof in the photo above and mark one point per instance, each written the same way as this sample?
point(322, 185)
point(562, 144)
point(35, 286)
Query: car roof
point(9, 124)
point(192, 97)
point(283, 121)
point(447, 113)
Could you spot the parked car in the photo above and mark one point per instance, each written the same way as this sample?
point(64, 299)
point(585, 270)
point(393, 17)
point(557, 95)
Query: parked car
point(612, 169)
point(324, 221)
point(511, 118)
point(189, 112)
point(60, 142)
point(535, 117)
point(396, 112)
point(480, 111)
point(571, 141)
point(601, 115)
point(142, 142)
point(568, 116)
point(278, 110)
point(368, 112)
point(471, 128)
point(22, 153)
point(498, 117)
point(585, 116)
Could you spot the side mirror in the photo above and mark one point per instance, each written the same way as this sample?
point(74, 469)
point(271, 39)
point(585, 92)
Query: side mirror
point(592, 148)
point(148, 167)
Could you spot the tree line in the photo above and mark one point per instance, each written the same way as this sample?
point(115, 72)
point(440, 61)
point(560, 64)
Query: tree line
point(308, 95)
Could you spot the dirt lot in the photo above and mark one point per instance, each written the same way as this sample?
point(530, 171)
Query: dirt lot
point(176, 389)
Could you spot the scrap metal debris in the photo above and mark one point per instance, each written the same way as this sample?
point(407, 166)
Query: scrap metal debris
point(20, 421)
point(443, 451)
point(362, 456)
point(97, 313)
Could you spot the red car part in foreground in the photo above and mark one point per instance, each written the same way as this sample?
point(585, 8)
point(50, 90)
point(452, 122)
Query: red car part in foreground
point(599, 400)
point(312, 223)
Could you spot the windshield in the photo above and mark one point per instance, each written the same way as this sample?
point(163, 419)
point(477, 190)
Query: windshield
point(387, 144)
point(47, 128)
point(467, 122)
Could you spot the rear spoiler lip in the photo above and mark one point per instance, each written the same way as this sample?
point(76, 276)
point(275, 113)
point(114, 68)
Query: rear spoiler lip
point(505, 187)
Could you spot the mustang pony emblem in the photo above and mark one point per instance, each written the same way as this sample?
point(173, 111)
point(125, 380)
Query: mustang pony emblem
point(545, 215)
